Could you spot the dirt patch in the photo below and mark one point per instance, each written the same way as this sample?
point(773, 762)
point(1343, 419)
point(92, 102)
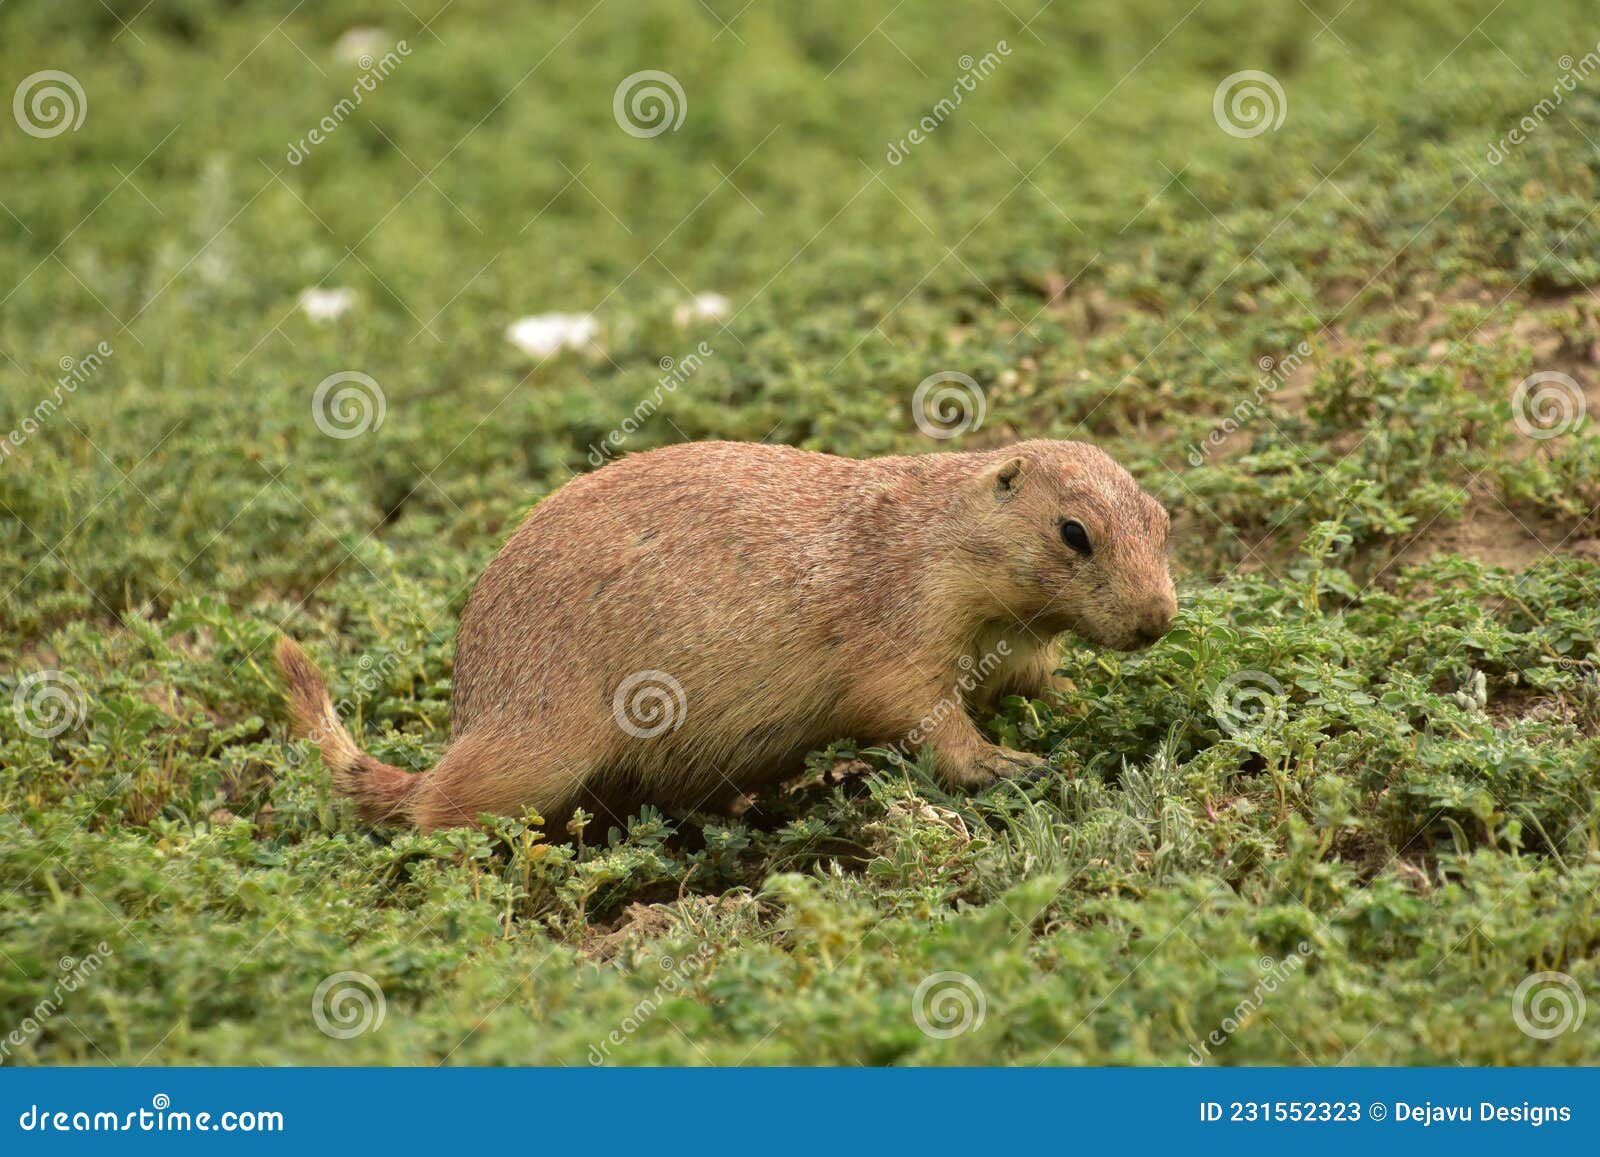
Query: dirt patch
point(638, 922)
point(1491, 532)
point(1562, 335)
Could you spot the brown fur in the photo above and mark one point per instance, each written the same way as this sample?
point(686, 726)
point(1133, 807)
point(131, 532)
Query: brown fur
point(794, 597)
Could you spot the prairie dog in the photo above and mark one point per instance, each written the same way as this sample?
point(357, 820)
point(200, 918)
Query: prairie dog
point(684, 625)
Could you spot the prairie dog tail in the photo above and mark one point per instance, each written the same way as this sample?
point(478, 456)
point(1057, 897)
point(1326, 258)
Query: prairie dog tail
point(381, 792)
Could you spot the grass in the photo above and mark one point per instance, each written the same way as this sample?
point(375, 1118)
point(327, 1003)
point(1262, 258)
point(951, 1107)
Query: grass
point(1389, 588)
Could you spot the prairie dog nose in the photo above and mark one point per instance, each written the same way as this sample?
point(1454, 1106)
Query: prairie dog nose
point(1157, 619)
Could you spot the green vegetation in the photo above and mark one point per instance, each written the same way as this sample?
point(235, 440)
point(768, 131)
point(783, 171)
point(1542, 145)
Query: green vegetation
point(1389, 588)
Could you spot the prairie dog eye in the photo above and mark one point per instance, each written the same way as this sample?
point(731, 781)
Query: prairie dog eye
point(1073, 534)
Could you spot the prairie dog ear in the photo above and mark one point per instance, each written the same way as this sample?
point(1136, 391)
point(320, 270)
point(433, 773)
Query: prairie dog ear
point(1004, 480)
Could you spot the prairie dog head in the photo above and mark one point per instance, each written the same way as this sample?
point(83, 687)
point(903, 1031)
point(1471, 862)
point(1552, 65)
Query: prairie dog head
point(1072, 543)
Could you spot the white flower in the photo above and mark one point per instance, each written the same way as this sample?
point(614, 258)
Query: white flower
point(701, 307)
point(326, 304)
point(360, 42)
point(545, 334)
